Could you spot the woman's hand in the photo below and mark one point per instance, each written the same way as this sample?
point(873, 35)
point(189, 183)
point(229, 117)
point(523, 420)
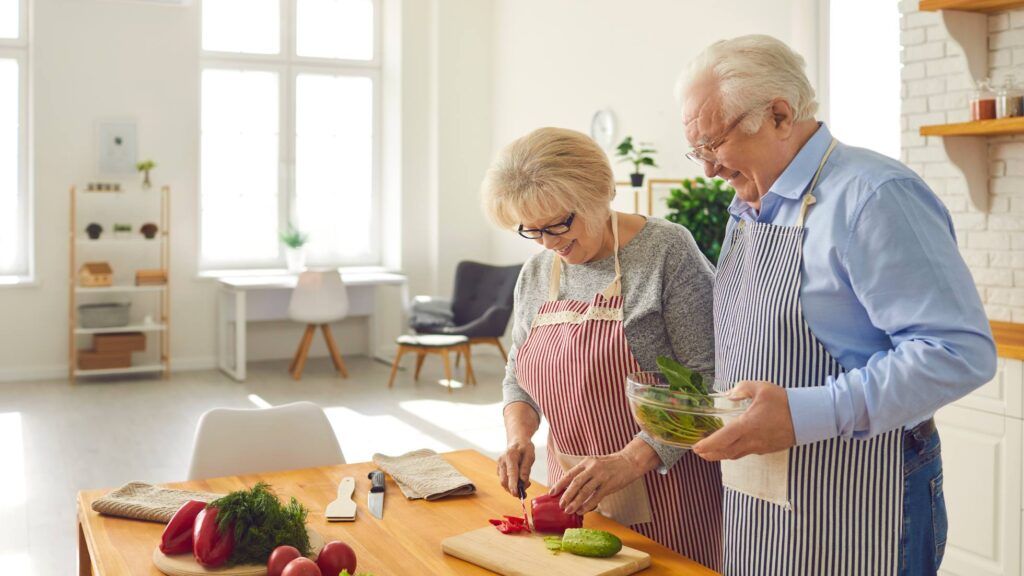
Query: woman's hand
point(515, 464)
point(587, 483)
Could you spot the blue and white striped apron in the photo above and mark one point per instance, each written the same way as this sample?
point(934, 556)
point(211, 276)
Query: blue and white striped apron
point(845, 495)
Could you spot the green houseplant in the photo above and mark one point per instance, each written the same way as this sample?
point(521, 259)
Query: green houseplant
point(145, 166)
point(639, 154)
point(295, 241)
point(701, 205)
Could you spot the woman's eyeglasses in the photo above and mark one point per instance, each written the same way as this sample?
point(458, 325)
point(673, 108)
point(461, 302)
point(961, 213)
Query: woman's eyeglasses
point(553, 230)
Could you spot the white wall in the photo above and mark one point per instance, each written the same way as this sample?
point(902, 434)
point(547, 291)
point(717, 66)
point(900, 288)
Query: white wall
point(99, 59)
point(557, 62)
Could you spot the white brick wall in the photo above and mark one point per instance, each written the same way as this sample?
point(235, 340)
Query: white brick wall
point(935, 89)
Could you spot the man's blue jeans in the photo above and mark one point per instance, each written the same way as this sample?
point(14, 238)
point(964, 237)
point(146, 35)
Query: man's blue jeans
point(924, 507)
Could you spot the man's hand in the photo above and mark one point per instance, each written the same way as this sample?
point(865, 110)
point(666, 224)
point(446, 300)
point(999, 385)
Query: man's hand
point(765, 427)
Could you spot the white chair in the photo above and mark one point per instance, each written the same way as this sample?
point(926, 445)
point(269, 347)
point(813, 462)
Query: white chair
point(319, 298)
point(231, 441)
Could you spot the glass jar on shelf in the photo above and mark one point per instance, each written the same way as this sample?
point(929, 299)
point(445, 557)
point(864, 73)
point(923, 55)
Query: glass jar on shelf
point(1009, 100)
point(983, 101)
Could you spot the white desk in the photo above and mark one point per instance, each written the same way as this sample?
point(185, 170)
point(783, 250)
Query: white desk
point(244, 299)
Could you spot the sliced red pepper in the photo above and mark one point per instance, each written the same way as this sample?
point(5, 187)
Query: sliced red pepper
point(211, 546)
point(510, 525)
point(177, 537)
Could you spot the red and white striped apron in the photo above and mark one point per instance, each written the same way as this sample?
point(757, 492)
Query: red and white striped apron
point(574, 365)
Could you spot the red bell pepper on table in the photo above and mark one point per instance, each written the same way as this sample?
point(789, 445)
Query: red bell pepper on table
point(211, 547)
point(177, 537)
point(510, 525)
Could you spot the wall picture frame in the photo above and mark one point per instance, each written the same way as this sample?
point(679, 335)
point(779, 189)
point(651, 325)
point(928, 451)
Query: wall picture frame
point(117, 146)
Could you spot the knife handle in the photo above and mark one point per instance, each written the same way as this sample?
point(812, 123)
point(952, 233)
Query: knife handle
point(376, 480)
point(521, 488)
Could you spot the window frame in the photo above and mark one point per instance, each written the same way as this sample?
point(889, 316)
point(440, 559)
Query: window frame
point(288, 65)
point(19, 50)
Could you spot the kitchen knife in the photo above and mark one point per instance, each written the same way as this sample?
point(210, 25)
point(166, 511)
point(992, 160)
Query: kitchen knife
point(522, 502)
point(375, 499)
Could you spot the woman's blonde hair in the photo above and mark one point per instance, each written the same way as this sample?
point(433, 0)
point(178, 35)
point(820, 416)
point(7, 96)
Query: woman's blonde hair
point(547, 174)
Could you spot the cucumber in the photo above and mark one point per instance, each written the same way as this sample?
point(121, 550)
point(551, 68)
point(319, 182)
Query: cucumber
point(589, 542)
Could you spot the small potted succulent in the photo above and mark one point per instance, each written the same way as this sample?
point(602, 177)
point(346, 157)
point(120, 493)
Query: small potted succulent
point(295, 241)
point(639, 154)
point(149, 230)
point(94, 230)
point(122, 230)
point(145, 166)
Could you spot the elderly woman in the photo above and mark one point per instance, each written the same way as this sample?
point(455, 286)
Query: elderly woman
point(844, 265)
point(609, 294)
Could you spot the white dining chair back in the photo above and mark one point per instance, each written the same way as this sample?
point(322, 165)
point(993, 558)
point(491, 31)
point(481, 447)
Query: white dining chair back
point(232, 441)
point(319, 297)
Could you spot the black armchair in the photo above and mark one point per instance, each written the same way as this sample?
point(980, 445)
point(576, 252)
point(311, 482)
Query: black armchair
point(480, 307)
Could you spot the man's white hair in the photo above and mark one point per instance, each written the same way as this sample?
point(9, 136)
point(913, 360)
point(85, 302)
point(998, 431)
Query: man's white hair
point(750, 71)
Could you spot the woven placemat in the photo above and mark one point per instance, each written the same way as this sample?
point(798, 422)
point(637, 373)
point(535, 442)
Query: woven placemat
point(142, 501)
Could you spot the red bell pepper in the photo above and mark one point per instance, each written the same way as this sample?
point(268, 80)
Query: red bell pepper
point(177, 537)
point(549, 517)
point(211, 546)
point(511, 525)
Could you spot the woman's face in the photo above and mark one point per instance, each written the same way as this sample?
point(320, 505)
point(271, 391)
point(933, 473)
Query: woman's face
point(576, 246)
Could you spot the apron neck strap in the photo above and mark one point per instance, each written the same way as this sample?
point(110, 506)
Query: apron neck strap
point(613, 289)
point(809, 199)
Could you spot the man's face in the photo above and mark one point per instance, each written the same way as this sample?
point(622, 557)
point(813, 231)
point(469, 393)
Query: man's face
point(728, 152)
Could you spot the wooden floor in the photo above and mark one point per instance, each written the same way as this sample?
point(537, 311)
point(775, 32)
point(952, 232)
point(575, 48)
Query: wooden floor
point(56, 439)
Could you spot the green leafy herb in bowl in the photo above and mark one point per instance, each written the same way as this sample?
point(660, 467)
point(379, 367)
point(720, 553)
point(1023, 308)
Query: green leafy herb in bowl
point(675, 405)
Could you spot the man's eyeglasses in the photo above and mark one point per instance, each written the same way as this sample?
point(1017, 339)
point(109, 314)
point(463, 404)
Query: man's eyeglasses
point(553, 230)
point(704, 154)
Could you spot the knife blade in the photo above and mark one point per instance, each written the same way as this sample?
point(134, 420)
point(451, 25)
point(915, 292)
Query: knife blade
point(375, 499)
point(522, 502)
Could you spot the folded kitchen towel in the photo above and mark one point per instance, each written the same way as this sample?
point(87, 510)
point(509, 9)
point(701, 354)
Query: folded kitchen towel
point(424, 474)
point(142, 501)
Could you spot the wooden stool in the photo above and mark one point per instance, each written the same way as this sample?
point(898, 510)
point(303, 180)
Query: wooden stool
point(439, 344)
point(299, 361)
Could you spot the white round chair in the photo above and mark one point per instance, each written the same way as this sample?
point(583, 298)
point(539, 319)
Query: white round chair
point(232, 441)
point(319, 298)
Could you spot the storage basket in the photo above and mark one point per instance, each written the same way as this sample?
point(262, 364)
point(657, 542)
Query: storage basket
point(104, 315)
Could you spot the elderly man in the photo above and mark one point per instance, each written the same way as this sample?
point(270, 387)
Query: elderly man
point(844, 310)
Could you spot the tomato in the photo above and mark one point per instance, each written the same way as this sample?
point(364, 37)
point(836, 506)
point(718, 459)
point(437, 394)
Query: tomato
point(281, 557)
point(335, 557)
point(301, 567)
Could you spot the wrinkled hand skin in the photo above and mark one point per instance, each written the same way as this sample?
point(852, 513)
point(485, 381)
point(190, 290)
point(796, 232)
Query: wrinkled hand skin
point(766, 427)
point(595, 477)
point(514, 465)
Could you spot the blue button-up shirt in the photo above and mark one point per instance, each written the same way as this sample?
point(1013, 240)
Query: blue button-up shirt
point(883, 287)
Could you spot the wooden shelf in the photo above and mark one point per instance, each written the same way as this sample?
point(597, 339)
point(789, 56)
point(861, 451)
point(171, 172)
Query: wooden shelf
point(119, 289)
point(130, 328)
point(85, 240)
point(971, 5)
point(979, 128)
point(114, 371)
point(1009, 339)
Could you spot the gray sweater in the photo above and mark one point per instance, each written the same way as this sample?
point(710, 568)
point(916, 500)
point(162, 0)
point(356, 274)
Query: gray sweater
point(667, 288)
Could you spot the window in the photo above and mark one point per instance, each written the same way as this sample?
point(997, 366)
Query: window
point(864, 74)
point(290, 131)
point(15, 245)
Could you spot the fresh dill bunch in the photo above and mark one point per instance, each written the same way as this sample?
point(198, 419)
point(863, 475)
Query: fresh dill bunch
point(261, 524)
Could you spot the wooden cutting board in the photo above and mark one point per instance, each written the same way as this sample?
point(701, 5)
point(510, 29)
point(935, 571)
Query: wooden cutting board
point(526, 555)
point(186, 565)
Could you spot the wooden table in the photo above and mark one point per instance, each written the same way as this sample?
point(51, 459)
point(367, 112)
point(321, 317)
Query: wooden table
point(406, 542)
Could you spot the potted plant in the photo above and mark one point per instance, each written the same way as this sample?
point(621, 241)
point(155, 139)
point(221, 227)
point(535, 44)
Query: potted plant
point(149, 230)
point(122, 230)
point(145, 166)
point(639, 155)
point(94, 230)
point(295, 253)
point(702, 206)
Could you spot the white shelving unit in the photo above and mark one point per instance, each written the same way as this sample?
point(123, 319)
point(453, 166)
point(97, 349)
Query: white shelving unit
point(160, 329)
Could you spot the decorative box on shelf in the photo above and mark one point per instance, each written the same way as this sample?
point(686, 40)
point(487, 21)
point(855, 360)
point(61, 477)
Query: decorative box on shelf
point(155, 277)
point(119, 342)
point(93, 360)
point(95, 274)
